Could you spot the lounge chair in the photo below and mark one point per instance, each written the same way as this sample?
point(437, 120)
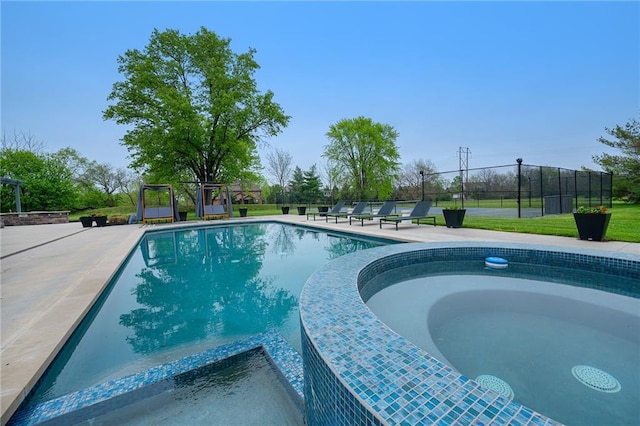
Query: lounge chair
point(385, 210)
point(336, 209)
point(420, 211)
point(358, 209)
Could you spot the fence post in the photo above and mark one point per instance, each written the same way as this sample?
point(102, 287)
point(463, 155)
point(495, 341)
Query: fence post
point(601, 185)
point(461, 188)
point(560, 189)
point(575, 185)
point(541, 194)
point(610, 189)
point(589, 188)
point(519, 161)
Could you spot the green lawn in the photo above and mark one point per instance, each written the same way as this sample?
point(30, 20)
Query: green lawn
point(624, 224)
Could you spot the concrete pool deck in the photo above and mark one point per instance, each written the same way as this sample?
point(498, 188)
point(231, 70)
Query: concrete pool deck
point(52, 274)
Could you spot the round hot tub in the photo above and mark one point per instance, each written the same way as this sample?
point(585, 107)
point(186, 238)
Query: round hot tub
point(442, 337)
point(559, 349)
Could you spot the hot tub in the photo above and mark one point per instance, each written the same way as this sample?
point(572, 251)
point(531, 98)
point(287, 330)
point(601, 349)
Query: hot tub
point(560, 349)
point(376, 375)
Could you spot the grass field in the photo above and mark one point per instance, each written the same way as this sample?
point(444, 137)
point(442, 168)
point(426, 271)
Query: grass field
point(624, 224)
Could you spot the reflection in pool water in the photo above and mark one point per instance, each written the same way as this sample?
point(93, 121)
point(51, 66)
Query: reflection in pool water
point(184, 291)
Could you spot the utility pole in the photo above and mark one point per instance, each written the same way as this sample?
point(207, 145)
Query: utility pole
point(463, 163)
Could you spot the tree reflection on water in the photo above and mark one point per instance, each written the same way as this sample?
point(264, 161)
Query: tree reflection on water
point(188, 290)
point(212, 287)
point(340, 246)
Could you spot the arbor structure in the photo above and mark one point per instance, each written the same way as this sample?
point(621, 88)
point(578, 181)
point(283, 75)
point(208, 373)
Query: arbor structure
point(193, 104)
point(364, 156)
point(625, 167)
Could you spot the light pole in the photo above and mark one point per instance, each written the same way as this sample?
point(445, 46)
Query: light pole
point(422, 177)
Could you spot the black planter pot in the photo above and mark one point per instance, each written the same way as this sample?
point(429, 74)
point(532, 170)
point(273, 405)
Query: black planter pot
point(453, 218)
point(302, 210)
point(285, 210)
point(243, 212)
point(100, 221)
point(86, 221)
point(183, 216)
point(592, 226)
point(323, 210)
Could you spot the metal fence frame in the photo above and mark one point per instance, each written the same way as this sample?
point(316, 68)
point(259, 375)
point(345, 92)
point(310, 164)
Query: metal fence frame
point(554, 190)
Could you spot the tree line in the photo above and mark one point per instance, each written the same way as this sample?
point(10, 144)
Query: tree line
point(61, 180)
point(194, 113)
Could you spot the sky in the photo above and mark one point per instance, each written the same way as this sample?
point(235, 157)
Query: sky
point(539, 81)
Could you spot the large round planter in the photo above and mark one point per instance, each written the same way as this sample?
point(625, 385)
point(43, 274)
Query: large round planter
point(453, 218)
point(592, 226)
point(285, 210)
point(243, 212)
point(87, 221)
point(100, 220)
point(302, 210)
point(183, 216)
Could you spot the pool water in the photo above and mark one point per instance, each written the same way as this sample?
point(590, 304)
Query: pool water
point(185, 291)
point(217, 398)
point(534, 349)
point(517, 326)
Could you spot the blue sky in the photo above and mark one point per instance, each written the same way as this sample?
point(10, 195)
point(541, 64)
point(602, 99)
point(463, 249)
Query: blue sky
point(535, 80)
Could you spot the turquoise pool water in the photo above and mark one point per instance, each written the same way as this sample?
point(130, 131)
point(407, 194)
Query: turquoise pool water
point(185, 291)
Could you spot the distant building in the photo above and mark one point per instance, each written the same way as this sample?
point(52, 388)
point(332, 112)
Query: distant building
point(252, 195)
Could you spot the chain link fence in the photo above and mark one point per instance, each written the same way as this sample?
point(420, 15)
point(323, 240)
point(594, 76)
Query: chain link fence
point(515, 190)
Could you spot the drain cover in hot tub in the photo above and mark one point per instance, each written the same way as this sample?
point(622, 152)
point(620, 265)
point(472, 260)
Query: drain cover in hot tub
point(495, 384)
point(596, 379)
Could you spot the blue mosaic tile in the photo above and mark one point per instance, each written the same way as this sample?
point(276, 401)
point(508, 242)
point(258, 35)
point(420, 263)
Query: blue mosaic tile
point(349, 355)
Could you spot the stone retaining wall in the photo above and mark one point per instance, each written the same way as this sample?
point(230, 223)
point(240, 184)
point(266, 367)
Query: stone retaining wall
point(33, 218)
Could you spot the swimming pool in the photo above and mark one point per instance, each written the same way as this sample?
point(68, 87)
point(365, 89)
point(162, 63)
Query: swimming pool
point(376, 375)
point(184, 291)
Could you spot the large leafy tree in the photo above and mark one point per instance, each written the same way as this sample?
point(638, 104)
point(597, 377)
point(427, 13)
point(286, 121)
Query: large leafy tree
point(364, 156)
point(625, 167)
point(193, 104)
